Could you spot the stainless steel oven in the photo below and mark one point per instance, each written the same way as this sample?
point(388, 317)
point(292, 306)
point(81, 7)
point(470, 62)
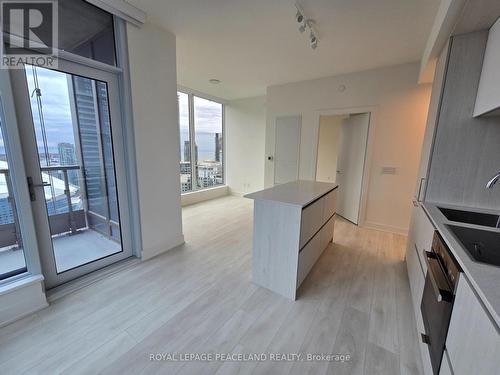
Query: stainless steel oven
point(438, 296)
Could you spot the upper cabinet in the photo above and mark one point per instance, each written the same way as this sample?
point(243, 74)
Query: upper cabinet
point(488, 94)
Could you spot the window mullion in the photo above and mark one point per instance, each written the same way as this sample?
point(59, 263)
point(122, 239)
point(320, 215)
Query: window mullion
point(192, 143)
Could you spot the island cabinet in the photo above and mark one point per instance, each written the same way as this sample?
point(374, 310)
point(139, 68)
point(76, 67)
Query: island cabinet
point(293, 224)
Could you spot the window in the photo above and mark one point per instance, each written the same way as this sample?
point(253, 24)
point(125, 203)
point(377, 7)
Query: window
point(12, 259)
point(201, 142)
point(86, 30)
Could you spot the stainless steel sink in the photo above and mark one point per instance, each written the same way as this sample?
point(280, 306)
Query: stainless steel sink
point(482, 245)
point(469, 217)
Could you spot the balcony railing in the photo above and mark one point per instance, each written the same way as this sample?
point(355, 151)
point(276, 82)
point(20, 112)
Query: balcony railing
point(66, 207)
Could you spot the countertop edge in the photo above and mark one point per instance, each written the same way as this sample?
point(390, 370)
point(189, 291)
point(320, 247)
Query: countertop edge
point(257, 196)
point(431, 210)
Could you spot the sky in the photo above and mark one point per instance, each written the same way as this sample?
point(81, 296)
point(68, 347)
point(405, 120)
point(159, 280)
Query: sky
point(207, 115)
point(55, 104)
point(57, 113)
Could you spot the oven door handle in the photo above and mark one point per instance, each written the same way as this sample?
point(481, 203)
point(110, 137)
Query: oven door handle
point(436, 275)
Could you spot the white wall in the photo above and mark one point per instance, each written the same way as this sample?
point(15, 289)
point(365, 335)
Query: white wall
point(154, 98)
point(328, 147)
point(397, 124)
point(245, 144)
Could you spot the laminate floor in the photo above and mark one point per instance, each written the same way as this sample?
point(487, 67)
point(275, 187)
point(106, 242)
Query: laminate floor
point(199, 300)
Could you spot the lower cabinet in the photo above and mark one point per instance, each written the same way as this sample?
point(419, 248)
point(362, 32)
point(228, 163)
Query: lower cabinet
point(419, 240)
point(313, 250)
point(473, 341)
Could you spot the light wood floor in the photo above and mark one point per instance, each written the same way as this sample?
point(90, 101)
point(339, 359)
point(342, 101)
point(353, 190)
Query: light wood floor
point(200, 299)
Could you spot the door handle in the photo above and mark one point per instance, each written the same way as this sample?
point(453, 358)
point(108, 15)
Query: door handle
point(425, 338)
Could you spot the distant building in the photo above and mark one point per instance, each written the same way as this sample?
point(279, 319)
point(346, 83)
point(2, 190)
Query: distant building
point(187, 151)
point(94, 132)
point(209, 173)
point(218, 147)
point(67, 156)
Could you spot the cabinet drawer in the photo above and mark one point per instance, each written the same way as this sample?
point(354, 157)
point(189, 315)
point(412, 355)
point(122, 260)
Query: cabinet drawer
point(416, 279)
point(313, 250)
point(311, 221)
point(329, 205)
point(423, 235)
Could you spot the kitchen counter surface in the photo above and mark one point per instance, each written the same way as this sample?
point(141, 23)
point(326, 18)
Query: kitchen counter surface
point(483, 277)
point(297, 193)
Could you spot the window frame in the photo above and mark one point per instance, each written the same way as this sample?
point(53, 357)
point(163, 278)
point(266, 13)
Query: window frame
point(192, 136)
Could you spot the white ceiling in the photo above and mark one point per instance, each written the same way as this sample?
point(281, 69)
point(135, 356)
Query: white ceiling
point(252, 44)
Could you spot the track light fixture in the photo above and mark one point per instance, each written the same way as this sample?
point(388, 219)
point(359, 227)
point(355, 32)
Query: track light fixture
point(306, 24)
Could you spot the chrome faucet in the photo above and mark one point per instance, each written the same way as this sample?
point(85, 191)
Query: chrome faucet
point(493, 181)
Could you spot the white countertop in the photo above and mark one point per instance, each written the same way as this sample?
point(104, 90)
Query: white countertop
point(483, 277)
point(298, 193)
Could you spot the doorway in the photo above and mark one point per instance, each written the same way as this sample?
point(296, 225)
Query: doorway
point(342, 146)
point(71, 136)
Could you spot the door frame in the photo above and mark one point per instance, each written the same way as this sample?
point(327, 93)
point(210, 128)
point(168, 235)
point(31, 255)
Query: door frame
point(24, 118)
point(18, 178)
point(372, 111)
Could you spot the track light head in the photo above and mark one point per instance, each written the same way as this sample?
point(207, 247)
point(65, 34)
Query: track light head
point(314, 40)
point(299, 17)
point(302, 27)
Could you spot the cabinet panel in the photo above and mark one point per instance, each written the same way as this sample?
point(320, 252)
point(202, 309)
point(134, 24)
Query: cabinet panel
point(473, 341)
point(307, 258)
point(424, 233)
point(313, 250)
point(312, 220)
point(330, 205)
point(488, 93)
point(432, 119)
point(416, 278)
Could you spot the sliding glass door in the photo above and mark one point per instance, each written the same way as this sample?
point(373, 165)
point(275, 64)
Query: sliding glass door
point(71, 133)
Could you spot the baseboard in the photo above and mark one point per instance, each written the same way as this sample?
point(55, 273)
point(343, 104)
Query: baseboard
point(385, 228)
point(194, 197)
point(22, 298)
point(151, 253)
point(236, 193)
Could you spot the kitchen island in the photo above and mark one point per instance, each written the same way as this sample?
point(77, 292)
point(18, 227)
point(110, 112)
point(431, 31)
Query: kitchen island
point(293, 224)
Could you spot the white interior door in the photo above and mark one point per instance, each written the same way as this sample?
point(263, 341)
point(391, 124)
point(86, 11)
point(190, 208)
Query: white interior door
point(351, 165)
point(287, 143)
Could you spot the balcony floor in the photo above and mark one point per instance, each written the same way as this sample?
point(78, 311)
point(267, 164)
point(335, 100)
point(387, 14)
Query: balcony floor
point(70, 250)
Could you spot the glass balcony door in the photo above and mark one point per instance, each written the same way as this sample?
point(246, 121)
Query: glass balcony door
point(72, 140)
